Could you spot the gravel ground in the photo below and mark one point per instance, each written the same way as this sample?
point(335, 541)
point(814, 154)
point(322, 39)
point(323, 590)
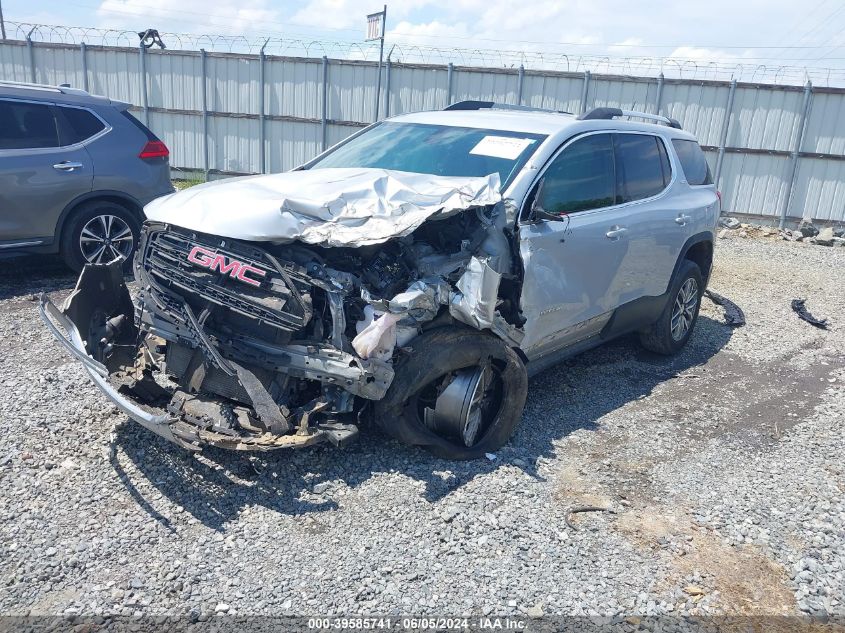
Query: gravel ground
point(723, 468)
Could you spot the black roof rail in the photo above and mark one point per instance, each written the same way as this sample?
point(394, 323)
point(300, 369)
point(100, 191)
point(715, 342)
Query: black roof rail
point(492, 105)
point(610, 113)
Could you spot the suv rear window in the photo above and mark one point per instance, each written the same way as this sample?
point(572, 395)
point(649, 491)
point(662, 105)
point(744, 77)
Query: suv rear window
point(78, 125)
point(693, 162)
point(641, 163)
point(27, 125)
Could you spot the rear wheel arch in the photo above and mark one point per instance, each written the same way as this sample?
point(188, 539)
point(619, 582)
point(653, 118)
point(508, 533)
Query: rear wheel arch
point(699, 250)
point(82, 202)
point(701, 254)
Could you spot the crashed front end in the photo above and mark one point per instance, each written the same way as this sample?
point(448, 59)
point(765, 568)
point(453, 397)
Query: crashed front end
point(261, 344)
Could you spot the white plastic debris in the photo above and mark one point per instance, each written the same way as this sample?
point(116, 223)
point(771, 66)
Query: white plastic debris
point(378, 339)
point(490, 456)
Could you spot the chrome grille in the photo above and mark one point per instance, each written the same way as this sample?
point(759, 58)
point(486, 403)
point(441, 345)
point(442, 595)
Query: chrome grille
point(281, 299)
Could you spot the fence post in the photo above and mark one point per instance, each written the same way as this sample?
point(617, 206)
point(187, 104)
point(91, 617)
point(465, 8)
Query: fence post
point(723, 138)
point(324, 112)
point(802, 125)
point(519, 86)
point(142, 51)
point(31, 49)
point(262, 158)
point(83, 49)
point(449, 70)
point(584, 91)
point(387, 88)
point(204, 93)
point(659, 100)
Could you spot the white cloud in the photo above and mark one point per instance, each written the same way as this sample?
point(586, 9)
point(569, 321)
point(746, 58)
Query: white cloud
point(191, 16)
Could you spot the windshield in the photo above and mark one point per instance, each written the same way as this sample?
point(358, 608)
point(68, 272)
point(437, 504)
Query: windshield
point(439, 150)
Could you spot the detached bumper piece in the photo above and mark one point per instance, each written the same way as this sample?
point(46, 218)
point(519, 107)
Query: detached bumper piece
point(96, 326)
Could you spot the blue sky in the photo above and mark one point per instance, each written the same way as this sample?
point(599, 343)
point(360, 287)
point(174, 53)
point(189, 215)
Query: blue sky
point(748, 32)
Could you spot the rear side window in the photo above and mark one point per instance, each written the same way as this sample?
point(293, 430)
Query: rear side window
point(78, 125)
point(147, 132)
point(693, 162)
point(27, 126)
point(582, 177)
point(641, 167)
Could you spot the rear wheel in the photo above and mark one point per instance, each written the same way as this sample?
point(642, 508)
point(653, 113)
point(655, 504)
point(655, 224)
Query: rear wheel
point(99, 233)
point(672, 330)
point(460, 394)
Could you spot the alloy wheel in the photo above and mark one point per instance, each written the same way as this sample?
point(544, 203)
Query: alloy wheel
point(106, 238)
point(462, 405)
point(683, 311)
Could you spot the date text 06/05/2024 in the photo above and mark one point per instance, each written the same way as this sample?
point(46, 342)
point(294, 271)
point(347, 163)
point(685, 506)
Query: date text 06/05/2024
point(417, 623)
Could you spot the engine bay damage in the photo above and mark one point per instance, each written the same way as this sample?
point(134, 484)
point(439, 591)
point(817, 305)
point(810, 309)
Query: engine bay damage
point(258, 345)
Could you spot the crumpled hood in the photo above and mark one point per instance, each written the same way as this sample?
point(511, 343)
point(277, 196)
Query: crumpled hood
point(334, 207)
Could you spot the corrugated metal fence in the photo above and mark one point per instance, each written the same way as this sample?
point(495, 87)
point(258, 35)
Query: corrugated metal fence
point(776, 149)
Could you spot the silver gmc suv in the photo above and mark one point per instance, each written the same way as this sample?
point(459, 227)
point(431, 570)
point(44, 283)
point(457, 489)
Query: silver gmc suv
point(412, 276)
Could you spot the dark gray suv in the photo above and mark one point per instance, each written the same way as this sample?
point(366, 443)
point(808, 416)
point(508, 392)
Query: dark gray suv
point(75, 173)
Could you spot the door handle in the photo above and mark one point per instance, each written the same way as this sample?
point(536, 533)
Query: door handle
point(67, 165)
point(683, 219)
point(615, 232)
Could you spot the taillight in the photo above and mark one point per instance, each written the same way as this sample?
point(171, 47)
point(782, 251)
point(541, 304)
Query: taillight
point(154, 149)
point(719, 195)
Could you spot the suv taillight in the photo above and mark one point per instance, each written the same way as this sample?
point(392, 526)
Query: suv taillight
point(154, 149)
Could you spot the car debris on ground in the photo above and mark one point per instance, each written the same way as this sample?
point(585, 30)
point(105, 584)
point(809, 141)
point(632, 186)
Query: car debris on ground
point(734, 316)
point(800, 309)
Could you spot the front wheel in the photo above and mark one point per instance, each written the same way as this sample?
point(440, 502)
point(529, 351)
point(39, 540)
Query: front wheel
point(100, 233)
point(672, 330)
point(459, 393)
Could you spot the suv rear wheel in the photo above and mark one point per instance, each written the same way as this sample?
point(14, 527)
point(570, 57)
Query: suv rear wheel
point(98, 233)
point(459, 394)
point(672, 330)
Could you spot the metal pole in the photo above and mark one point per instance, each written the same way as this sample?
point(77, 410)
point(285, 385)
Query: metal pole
point(450, 69)
point(519, 86)
point(262, 132)
point(325, 105)
point(387, 90)
point(83, 48)
point(144, 100)
point(2, 23)
point(380, 57)
point(584, 91)
point(659, 99)
point(723, 139)
point(802, 125)
point(31, 49)
point(204, 94)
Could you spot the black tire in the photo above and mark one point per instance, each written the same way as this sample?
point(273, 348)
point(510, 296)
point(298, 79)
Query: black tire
point(438, 353)
point(659, 336)
point(82, 217)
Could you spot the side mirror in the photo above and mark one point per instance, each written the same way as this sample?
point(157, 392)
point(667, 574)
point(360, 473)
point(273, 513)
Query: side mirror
point(537, 211)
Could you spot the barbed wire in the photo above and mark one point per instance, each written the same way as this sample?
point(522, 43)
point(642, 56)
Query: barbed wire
point(408, 52)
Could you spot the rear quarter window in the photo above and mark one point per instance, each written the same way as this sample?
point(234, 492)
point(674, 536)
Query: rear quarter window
point(78, 125)
point(693, 162)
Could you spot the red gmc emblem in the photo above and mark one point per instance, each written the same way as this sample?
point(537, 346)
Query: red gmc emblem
point(216, 262)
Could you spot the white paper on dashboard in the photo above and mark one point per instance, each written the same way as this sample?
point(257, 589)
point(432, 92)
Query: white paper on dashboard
point(501, 147)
